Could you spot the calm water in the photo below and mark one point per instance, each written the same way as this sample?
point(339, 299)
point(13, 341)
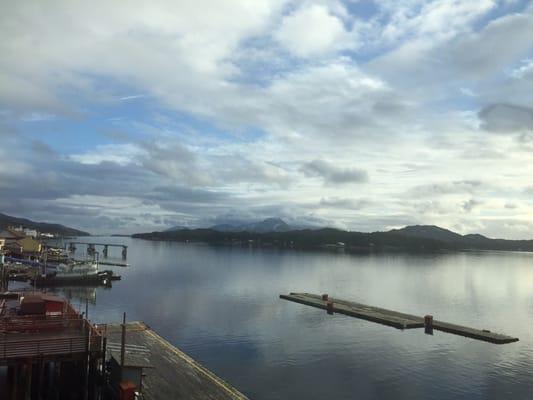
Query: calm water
point(221, 306)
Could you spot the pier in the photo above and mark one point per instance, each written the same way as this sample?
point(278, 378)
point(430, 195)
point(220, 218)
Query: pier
point(50, 350)
point(168, 372)
point(91, 247)
point(393, 318)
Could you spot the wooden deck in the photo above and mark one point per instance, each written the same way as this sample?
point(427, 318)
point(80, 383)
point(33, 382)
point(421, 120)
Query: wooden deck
point(174, 375)
point(395, 319)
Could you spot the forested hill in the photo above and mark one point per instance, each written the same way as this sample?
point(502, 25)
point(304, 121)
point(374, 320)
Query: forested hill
point(411, 238)
point(44, 227)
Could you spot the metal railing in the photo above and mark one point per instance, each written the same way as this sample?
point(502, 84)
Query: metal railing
point(30, 336)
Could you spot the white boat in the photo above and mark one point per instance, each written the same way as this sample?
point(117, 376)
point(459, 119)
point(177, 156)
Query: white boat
point(76, 273)
point(77, 270)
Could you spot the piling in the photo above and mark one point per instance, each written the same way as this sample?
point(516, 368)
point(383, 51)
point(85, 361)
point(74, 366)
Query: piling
point(123, 344)
point(329, 307)
point(325, 297)
point(428, 324)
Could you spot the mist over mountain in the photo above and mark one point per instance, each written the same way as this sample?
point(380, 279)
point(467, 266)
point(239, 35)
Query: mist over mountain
point(267, 225)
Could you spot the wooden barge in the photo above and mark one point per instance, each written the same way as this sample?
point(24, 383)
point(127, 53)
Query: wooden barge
point(393, 318)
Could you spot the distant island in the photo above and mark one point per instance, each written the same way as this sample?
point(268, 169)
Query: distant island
point(416, 238)
point(44, 227)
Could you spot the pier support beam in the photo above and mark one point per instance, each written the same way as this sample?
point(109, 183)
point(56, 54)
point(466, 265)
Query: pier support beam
point(329, 307)
point(16, 382)
point(124, 252)
point(428, 324)
point(28, 381)
point(105, 250)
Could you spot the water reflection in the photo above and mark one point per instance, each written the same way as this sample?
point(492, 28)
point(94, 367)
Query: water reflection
point(221, 305)
point(76, 293)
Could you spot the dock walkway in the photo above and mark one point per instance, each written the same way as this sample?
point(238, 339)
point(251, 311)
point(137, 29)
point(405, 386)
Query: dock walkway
point(393, 318)
point(174, 375)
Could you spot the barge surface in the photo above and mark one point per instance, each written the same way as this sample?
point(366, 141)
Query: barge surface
point(393, 318)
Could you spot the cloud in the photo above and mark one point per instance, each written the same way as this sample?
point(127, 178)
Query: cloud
point(433, 69)
point(311, 30)
point(239, 168)
point(332, 174)
point(346, 203)
point(431, 207)
point(445, 188)
point(469, 205)
point(502, 41)
point(121, 154)
point(441, 19)
point(525, 71)
point(132, 97)
point(506, 118)
point(280, 114)
point(166, 47)
point(335, 102)
point(171, 159)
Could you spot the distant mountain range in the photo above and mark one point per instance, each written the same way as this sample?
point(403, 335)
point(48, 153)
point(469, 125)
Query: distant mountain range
point(274, 232)
point(267, 225)
point(56, 229)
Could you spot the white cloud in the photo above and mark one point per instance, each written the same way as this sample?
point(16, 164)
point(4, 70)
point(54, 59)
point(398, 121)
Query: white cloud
point(122, 154)
point(525, 70)
point(438, 20)
point(467, 92)
point(165, 47)
point(312, 30)
point(333, 174)
point(132, 97)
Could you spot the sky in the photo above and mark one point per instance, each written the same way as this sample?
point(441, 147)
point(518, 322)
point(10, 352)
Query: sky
point(123, 117)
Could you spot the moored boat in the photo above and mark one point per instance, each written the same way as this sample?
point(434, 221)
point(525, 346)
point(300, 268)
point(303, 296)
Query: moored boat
point(77, 273)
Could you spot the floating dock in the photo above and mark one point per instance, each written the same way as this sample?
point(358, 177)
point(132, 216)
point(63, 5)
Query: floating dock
point(393, 318)
point(113, 263)
point(173, 374)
